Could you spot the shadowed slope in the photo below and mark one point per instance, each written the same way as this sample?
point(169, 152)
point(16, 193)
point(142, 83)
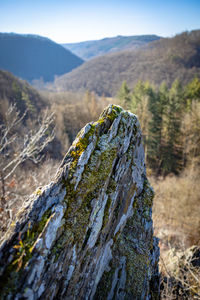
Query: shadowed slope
point(34, 57)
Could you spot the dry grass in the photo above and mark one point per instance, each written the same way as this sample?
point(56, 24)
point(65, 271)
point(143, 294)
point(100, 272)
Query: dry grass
point(180, 274)
point(176, 210)
point(176, 215)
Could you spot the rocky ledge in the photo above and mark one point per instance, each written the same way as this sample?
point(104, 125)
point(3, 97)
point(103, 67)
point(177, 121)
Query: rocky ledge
point(89, 233)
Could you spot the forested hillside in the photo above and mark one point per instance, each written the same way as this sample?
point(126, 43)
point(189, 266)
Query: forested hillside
point(90, 49)
point(18, 99)
point(170, 120)
point(163, 60)
point(34, 57)
point(20, 93)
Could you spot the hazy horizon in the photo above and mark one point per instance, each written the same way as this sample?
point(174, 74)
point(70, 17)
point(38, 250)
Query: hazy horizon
point(68, 22)
point(105, 37)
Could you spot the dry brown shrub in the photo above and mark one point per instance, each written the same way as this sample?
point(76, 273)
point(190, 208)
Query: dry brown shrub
point(176, 215)
point(23, 183)
point(176, 210)
point(73, 111)
point(180, 274)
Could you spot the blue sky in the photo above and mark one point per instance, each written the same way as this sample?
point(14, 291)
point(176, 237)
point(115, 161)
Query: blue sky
point(67, 21)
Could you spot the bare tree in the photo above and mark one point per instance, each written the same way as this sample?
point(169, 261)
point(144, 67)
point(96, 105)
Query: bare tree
point(16, 149)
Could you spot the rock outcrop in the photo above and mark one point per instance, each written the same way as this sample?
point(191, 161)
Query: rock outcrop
point(88, 234)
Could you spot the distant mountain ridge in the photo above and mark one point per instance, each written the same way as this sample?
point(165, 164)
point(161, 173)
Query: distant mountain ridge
point(162, 60)
point(33, 57)
point(90, 49)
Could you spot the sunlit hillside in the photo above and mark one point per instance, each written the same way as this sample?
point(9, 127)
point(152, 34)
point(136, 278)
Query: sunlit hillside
point(162, 60)
point(91, 49)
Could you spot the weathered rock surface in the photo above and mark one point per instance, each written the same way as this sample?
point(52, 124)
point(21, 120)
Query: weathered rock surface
point(88, 234)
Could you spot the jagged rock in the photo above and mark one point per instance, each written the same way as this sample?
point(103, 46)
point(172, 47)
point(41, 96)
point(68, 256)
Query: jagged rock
point(88, 234)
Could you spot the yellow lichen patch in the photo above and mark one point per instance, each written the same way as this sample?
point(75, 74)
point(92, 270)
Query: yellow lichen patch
point(38, 191)
point(100, 121)
point(80, 146)
point(12, 224)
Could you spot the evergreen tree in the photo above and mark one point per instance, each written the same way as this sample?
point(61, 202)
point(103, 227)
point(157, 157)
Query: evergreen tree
point(124, 95)
point(139, 106)
point(157, 106)
point(140, 91)
point(192, 90)
point(191, 135)
point(191, 123)
point(174, 111)
point(167, 137)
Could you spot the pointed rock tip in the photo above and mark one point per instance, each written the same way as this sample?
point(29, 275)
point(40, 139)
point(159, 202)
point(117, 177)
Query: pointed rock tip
point(111, 111)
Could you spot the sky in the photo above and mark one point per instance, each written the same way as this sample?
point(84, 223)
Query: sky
point(66, 21)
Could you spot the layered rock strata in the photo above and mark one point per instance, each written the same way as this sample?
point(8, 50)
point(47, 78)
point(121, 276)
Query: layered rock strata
point(89, 233)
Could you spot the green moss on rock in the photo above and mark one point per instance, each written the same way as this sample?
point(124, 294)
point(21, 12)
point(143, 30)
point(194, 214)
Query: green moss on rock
point(22, 254)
